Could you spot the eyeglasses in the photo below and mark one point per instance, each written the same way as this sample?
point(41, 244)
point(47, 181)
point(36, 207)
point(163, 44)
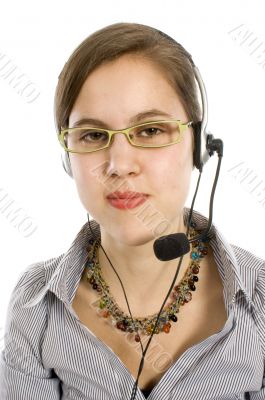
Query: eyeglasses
point(150, 134)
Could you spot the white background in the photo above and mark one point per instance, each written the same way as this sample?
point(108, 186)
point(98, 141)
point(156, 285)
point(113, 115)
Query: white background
point(40, 37)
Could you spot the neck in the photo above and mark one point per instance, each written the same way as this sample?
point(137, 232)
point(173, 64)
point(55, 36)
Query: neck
point(141, 273)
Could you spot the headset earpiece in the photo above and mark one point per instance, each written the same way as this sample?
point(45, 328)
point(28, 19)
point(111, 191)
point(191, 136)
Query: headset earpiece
point(66, 163)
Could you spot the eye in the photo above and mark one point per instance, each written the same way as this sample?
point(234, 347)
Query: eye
point(150, 131)
point(93, 135)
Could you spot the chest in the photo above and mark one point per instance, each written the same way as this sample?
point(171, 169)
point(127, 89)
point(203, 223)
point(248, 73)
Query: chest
point(197, 320)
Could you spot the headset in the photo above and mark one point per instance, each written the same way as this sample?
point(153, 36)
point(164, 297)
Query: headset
point(164, 248)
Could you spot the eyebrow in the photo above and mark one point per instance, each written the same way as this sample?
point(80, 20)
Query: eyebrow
point(135, 119)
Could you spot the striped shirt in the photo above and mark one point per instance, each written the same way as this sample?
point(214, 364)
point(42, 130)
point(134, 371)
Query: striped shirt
point(49, 354)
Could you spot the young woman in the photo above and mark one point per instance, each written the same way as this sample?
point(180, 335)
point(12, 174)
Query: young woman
point(126, 108)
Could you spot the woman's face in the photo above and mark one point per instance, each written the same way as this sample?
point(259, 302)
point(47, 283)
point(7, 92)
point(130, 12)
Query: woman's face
point(115, 93)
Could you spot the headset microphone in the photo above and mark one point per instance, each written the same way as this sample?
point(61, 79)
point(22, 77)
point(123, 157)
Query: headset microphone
point(176, 245)
point(171, 246)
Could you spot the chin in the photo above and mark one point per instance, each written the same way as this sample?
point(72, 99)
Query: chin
point(139, 241)
point(130, 236)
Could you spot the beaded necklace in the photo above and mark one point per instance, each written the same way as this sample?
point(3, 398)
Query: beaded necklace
point(180, 295)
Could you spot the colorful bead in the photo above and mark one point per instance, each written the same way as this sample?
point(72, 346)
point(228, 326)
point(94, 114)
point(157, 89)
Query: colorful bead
point(194, 255)
point(195, 269)
point(137, 338)
point(120, 325)
point(188, 297)
point(177, 291)
point(104, 313)
point(166, 328)
point(149, 329)
point(173, 317)
point(102, 304)
point(175, 295)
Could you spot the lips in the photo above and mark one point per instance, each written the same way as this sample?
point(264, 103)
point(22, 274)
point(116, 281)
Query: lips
point(125, 195)
point(126, 200)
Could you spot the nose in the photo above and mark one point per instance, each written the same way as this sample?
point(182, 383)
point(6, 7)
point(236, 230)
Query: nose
point(122, 156)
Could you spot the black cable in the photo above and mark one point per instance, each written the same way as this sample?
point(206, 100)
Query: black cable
point(219, 148)
point(213, 145)
point(126, 299)
point(141, 365)
point(144, 351)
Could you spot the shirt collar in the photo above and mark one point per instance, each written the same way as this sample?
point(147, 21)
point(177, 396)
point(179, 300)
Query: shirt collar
point(63, 273)
point(225, 259)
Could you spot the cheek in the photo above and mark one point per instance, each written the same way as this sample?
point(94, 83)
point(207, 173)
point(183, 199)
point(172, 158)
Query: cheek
point(172, 183)
point(173, 171)
point(85, 169)
point(86, 177)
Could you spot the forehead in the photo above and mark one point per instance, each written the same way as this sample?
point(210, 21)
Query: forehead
point(124, 87)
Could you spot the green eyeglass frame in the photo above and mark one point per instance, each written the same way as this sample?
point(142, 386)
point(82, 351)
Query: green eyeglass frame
point(182, 127)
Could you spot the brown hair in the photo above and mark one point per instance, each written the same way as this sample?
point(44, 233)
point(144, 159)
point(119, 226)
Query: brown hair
point(110, 43)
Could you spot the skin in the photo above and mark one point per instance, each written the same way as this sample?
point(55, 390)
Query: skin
point(114, 93)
